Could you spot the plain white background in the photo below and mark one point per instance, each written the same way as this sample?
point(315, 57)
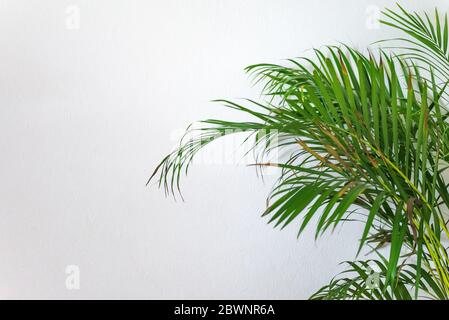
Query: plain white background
point(88, 110)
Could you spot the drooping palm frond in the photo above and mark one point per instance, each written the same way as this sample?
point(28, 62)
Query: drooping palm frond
point(365, 280)
point(425, 42)
point(360, 133)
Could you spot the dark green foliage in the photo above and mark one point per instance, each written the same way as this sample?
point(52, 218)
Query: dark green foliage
point(364, 135)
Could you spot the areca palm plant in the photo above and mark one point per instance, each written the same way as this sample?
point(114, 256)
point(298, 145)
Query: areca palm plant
point(364, 136)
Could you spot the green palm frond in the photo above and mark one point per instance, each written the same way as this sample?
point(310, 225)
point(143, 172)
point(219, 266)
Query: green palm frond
point(425, 41)
point(361, 134)
point(365, 280)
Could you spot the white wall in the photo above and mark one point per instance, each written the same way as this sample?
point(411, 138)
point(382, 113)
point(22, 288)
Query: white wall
point(85, 116)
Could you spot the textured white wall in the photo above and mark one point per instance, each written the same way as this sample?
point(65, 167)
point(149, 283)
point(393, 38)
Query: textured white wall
point(87, 113)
